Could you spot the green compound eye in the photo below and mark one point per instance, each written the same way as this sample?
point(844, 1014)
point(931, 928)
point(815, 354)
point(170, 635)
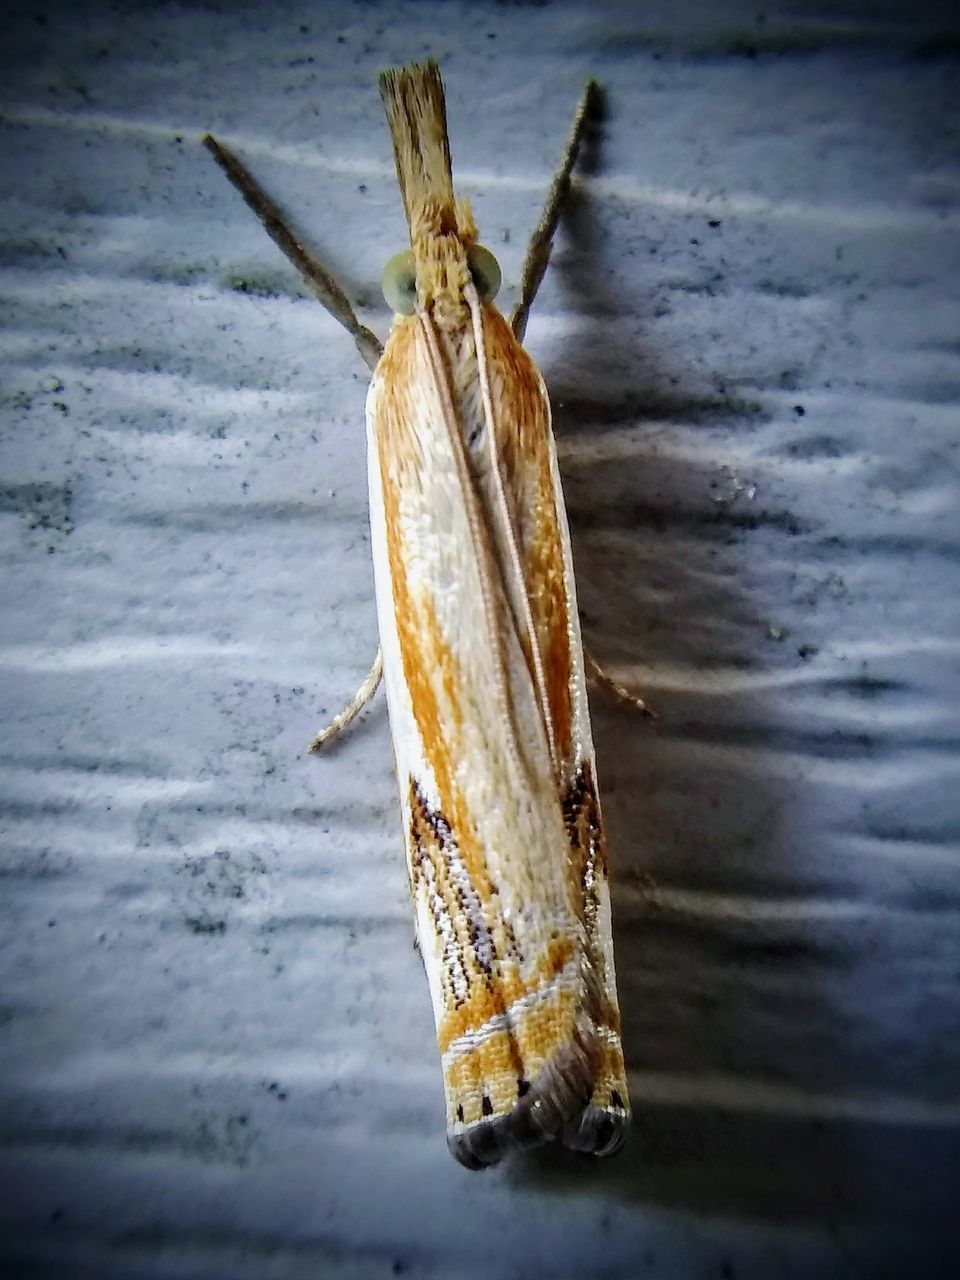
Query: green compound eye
point(485, 271)
point(399, 283)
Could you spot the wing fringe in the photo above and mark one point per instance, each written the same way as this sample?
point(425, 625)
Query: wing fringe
point(557, 1106)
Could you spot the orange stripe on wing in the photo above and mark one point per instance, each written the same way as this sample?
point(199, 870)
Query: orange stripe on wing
point(524, 442)
point(429, 663)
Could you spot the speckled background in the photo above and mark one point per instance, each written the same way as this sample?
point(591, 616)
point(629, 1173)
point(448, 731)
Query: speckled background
point(216, 1047)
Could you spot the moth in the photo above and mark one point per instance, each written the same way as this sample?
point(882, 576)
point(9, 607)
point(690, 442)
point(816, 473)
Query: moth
point(483, 664)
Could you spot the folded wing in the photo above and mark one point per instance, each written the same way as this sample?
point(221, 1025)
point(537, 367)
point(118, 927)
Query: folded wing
point(492, 742)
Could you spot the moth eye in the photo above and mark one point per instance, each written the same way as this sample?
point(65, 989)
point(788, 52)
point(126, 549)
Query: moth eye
point(485, 270)
point(399, 283)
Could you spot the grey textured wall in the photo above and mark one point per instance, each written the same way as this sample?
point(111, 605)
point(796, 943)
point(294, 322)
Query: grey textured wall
point(216, 1049)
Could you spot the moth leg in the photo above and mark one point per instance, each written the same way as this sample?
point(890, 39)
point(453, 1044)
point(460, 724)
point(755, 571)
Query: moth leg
point(318, 278)
point(538, 250)
point(354, 706)
point(619, 691)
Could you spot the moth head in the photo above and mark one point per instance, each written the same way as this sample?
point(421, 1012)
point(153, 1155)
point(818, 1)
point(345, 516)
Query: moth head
point(399, 280)
point(444, 257)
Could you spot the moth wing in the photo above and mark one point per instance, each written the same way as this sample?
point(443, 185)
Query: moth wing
point(497, 856)
point(528, 450)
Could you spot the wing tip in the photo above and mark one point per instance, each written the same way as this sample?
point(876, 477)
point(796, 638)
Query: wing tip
point(559, 1107)
point(598, 1131)
point(595, 1131)
point(486, 1142)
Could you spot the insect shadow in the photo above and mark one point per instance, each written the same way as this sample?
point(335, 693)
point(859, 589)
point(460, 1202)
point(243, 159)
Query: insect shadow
point(733, 1020)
